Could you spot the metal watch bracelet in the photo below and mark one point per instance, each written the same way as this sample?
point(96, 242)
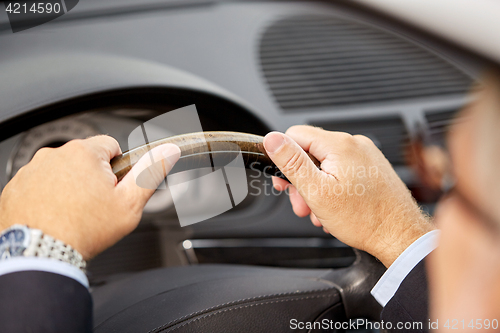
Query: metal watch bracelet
point(45, 246)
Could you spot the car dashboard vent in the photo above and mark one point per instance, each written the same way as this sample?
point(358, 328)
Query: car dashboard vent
point(388, 133)
point(438, 124)
point(321, 61)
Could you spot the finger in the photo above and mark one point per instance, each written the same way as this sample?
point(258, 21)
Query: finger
point(105, 146)
point(280, 184)
point(142, 181)
point(300, 208)
point(317, 141)
point(315, 220)
point(293, 161)
point(326, 231)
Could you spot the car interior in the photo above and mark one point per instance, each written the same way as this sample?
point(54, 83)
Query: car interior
point(247, 66)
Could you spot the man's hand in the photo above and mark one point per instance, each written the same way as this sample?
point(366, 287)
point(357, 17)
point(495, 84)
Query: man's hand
point(71, 193)
point(356, 196)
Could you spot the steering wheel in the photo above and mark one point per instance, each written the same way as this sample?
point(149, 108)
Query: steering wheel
point(230, 298)
point(196, 149)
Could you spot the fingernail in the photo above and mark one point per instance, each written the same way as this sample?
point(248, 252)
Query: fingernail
point(171, 153)
point(273, 141)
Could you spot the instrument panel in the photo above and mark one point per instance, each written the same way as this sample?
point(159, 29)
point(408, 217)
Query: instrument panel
point(52, 135)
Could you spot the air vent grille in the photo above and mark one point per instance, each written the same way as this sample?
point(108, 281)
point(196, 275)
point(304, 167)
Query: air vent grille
point(389, 134)
point(318, 62)
point(438, 124)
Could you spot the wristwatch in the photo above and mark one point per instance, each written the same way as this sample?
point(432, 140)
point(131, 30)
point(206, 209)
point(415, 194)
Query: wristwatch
point(20, 240)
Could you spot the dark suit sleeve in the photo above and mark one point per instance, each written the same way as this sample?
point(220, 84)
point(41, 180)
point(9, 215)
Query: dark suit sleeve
point(410, 302)
point(34, 301)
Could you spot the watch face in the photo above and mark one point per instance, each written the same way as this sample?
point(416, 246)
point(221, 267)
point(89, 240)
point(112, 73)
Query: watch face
point(13, 243)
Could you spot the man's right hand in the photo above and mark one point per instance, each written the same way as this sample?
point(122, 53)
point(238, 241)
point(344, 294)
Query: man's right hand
point(356, 196)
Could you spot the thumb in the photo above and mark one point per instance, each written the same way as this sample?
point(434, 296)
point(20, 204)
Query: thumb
point(148, 173)
point(293, 161)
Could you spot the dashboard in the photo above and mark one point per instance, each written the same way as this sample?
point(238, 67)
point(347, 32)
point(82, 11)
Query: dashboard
point(254, 66)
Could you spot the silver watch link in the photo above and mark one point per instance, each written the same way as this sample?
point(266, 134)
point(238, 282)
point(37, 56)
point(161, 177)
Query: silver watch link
point(20, 240)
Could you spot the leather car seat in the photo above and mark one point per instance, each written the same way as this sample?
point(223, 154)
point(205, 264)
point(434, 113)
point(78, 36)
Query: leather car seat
point(232, 298)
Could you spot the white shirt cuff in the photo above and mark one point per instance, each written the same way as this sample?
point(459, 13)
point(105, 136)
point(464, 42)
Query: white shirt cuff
point(20, 264)
point(389, 283)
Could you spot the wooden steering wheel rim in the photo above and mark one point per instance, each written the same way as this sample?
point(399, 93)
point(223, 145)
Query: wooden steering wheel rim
point(197, 146)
